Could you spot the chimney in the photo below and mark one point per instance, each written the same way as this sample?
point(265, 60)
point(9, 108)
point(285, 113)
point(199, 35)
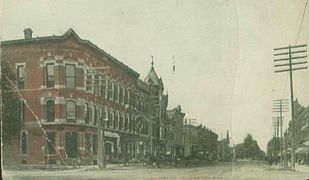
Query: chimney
point(28, 33)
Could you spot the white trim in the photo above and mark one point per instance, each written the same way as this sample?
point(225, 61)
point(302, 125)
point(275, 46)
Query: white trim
point(20, 64)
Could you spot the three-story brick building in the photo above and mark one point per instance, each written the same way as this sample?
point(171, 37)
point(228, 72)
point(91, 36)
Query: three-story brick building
point(68, 86)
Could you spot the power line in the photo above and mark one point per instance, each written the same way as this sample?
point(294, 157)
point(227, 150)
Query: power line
point(291, 66)
point(35, 116)
point(301, 22)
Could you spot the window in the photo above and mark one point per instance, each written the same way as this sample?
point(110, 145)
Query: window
point(71, 144)
point(70, 111)
point(116, 92)
point(88, 143)
point(50, 110)
point(22, 110)
point(126, 96)
point(94, 143)
point(120, 122)
point(110, 118)
point(126, 123)
point(95, 84)
point(95, 115)
point(50, 75)
point(70, 76)
point(23, 142)
point(103, 88)
point(115, 121)
point(131, 125)
point(87, 114)
point(21, 77)
point(51, 144)
point(120, 94)
point(103, 116)
point(88, 81)
point(109, 90)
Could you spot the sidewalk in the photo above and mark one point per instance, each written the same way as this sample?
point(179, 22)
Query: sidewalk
point(302, 168)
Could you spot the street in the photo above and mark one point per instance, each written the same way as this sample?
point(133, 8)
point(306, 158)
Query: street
point(238, 170)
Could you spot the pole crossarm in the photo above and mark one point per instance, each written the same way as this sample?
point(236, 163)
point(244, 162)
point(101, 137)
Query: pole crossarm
point(293, 69)
point(298, 46)
point(287, 64)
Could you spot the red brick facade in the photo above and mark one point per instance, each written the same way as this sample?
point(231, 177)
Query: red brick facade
point(102, 88)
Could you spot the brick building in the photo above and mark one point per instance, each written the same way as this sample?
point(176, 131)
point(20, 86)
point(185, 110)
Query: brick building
point(175, 133)
point(68, 86)
point(200, 142)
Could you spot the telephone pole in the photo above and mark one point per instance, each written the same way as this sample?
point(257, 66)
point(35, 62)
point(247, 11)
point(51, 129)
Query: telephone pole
point(280, 106)
point(275, 136)
point(291, 62)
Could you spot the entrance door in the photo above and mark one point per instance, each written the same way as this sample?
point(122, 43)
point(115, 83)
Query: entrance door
point(71, 144)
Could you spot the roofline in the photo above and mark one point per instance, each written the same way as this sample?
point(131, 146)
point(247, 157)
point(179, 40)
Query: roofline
point(64, 37)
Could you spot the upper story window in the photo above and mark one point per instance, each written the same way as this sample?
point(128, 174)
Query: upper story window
point(50, 75)
point(115, 125)
point(87, 114)
point(50, 110)
point(88, 81)
point(103, 88)
point(120, 94)
point(22, 105)
point(70, 76)
point(126, 96)
point(95, 116)
point(116, 93)
point(71, 111)
point(21, 77)
point(120, 122)
point(109, 90)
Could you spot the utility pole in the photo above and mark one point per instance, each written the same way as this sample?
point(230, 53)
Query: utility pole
point(276, 124)
point(280, 106)
point(292, 65)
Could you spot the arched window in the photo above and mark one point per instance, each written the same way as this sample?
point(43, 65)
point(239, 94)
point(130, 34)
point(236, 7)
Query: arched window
point(71, 111)
point(87, 113)
point(50, 110)
point(23, 142)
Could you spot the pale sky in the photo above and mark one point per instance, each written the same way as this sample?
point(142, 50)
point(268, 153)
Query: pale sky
point(223, 50)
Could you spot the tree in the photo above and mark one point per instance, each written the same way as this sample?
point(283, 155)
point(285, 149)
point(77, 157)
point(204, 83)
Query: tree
point(11, 106)
point(273, 149)
point(249, 149)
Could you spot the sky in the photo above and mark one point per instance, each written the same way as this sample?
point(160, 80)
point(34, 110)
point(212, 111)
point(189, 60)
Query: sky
point(223, 50)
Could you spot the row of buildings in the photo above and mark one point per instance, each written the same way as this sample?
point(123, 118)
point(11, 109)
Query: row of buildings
point(280, 147)
point(71, 92)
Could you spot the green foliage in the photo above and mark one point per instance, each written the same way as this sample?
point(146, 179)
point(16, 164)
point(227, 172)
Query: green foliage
point(249, 149)
point(273, 150)
point(11, 104)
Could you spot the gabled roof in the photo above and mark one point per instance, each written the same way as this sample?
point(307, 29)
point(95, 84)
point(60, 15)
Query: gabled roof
point(152, 77)
point(63, 37)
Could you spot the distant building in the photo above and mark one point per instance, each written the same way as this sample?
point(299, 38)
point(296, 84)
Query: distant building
point(191, 141)
point(207, 143)
point(200, 142)
point(175, 133)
